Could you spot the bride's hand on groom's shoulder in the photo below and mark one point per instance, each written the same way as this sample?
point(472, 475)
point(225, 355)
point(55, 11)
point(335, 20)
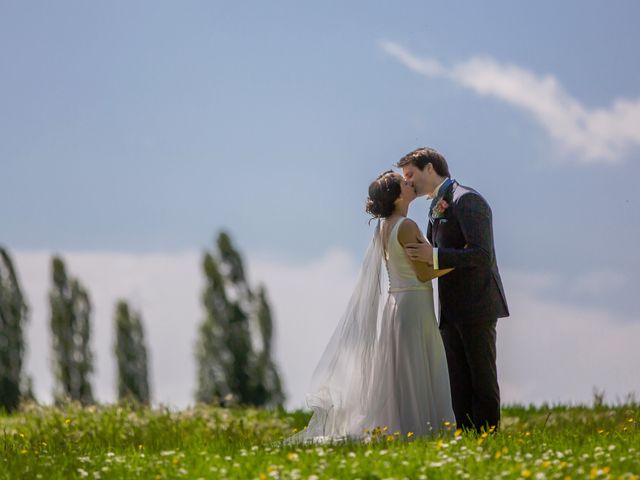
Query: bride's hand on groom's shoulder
point(420, 252)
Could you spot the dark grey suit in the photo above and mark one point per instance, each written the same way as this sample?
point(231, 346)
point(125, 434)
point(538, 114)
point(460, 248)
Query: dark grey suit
point(471, 300)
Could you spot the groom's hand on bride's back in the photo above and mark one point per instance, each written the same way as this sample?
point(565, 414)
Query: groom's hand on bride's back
point(420, 252)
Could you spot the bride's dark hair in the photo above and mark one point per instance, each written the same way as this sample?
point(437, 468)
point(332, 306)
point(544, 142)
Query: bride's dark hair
point(383, 192)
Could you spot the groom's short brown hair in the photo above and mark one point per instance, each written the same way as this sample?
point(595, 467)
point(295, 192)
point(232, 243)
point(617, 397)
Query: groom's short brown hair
point(423, 155)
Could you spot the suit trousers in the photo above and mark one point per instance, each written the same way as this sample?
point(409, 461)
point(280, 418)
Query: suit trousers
point(473, 375)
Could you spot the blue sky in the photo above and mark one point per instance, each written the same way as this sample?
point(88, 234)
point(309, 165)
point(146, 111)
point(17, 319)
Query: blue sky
point(146, 127)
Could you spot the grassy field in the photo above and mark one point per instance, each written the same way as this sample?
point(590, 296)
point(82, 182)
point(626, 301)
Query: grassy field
point(115, 442)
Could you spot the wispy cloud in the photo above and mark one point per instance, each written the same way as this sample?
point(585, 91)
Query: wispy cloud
point(601, 135)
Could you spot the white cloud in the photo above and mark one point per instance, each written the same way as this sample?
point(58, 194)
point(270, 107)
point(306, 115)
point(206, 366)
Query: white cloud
point(595, 135)
point(548, 350)
point(558, 352)
point(600, 283)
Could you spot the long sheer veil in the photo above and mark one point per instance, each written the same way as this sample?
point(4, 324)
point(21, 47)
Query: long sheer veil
point(343, 384)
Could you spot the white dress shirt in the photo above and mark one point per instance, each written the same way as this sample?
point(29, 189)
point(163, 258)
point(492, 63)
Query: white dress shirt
point(435, 250)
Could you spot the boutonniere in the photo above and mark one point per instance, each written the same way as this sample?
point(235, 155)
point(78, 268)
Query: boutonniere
point(440, 208)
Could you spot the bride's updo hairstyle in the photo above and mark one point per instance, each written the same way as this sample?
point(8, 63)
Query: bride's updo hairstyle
point(383, 192)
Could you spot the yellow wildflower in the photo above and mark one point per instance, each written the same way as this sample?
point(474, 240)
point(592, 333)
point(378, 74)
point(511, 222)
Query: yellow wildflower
point(409, 434)
point(498, 455)
point(458, 432)
point(525, 473)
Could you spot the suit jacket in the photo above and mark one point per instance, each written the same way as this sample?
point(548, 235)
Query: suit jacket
point(464, 237)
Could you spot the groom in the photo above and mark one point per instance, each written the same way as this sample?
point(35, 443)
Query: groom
point(471, 296)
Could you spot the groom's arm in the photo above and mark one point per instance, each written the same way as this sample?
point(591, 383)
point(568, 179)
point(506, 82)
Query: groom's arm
point(474, 217)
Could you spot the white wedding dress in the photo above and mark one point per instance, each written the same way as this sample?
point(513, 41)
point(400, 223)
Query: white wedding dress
point(385, 365)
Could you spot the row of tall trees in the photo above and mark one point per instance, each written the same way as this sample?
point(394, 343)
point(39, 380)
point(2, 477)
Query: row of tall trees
point(70, 324)
point(233, 351)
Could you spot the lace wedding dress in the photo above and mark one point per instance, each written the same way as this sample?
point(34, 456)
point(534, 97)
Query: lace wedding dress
point(385, 364)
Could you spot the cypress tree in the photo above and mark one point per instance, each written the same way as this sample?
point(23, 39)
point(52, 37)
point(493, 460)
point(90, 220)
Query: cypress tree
point(131, 355)
point(13, 317)
point(71, 331)
point(229, 363)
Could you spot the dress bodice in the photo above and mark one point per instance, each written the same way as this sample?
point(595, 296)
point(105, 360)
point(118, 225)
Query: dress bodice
point(402, 276)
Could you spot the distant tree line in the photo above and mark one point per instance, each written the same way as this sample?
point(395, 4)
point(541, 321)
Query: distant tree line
point(233, 351)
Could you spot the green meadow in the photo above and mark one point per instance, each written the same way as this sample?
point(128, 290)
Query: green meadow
point(117, 442)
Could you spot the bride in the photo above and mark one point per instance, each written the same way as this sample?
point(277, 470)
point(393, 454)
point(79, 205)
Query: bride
point(383, 367)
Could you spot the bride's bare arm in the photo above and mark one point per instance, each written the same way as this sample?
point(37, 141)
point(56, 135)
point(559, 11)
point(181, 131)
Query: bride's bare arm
point(410, 233)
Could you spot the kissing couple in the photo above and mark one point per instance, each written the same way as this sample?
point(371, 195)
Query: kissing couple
point(389, 365)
